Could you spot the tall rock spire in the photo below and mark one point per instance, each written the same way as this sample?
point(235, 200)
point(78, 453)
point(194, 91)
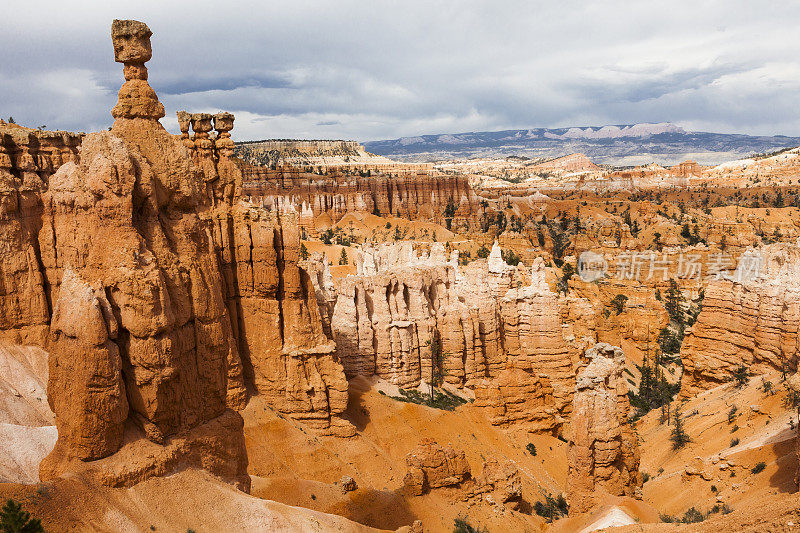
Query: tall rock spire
point(136, 99)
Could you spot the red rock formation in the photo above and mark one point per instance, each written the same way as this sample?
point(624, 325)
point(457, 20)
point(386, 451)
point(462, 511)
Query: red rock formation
point(171, 298)
point(517, 396)
point(498, 483)
point(286, 353)
point(751, 320)
point(389, 318)
point(125, 247)
point(431, 466)
point(388, 323)
point(27, 160)
point(413, 196)
point(603, 450)
point(533, 339)
point(86, 382)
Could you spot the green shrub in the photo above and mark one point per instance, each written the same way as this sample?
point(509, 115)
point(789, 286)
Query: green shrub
point(442, 400)
point(734, 441)
point(618, 303)
point(510, 257)
point(679, 437)
point(692, 516)
point(552, 508)
point(483, 252)
point(759, 468)
point(531, 449)
point(740, 376)
point(14, 520)
point(462, 525)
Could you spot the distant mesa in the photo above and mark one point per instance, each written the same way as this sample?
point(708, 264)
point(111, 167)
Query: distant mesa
point(619, 145)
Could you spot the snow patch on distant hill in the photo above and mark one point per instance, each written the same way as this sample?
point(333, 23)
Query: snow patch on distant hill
point(615, 132)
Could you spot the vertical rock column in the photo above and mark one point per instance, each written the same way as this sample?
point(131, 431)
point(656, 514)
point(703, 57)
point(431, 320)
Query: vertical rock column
point(229, 174)
point(603, 450)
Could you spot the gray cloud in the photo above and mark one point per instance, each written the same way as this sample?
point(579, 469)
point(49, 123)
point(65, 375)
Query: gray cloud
point(382, 69)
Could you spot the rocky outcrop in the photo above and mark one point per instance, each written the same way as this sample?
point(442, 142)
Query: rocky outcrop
point(603, 452)
point(86, 390)
point(499, 483)
point(533, 339)
point(401, 317)
point(163, 298)
point(27, 160)
point(132, 269)
point(751, 319)
point(286, 354)
point(517, 396)
point(431, 466)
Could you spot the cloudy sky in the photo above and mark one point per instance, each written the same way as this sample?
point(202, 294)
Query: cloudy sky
point(374, 69)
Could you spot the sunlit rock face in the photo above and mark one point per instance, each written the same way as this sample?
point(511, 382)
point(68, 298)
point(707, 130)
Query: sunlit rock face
point(164, 300)
point(751, 319)
point(603, 452)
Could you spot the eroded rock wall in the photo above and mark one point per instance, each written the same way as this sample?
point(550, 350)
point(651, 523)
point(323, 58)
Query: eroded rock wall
point(751, 320)
point(163, 299)
point(335, 193)
point(27, 160)
point(402, 316)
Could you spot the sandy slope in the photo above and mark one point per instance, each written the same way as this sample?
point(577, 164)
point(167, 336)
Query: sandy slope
point(23, 386)
point(298, 468)
point(709, 470)
point(27, 430)
point(187, 500)
point(22, 448)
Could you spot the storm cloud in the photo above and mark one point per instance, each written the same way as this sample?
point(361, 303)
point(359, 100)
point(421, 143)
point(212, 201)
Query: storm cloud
point(376, 69)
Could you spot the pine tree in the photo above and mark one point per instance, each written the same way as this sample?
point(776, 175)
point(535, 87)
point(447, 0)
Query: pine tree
point(343, 257)
point(303, 251)
point(673, 302)
point(678, 436)
point(14, 520)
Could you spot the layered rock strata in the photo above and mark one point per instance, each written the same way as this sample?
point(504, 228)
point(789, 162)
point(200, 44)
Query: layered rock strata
point(28, 158)
point(163, 299)
point(336, 193)
point(407, 319)
point(751, 319)
point(603, 454)
point(533, 339)
point(401, 319)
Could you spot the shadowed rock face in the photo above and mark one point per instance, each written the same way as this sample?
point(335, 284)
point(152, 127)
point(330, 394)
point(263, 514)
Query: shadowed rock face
point(163, 300)
point(502, 342)
point(603, 450)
